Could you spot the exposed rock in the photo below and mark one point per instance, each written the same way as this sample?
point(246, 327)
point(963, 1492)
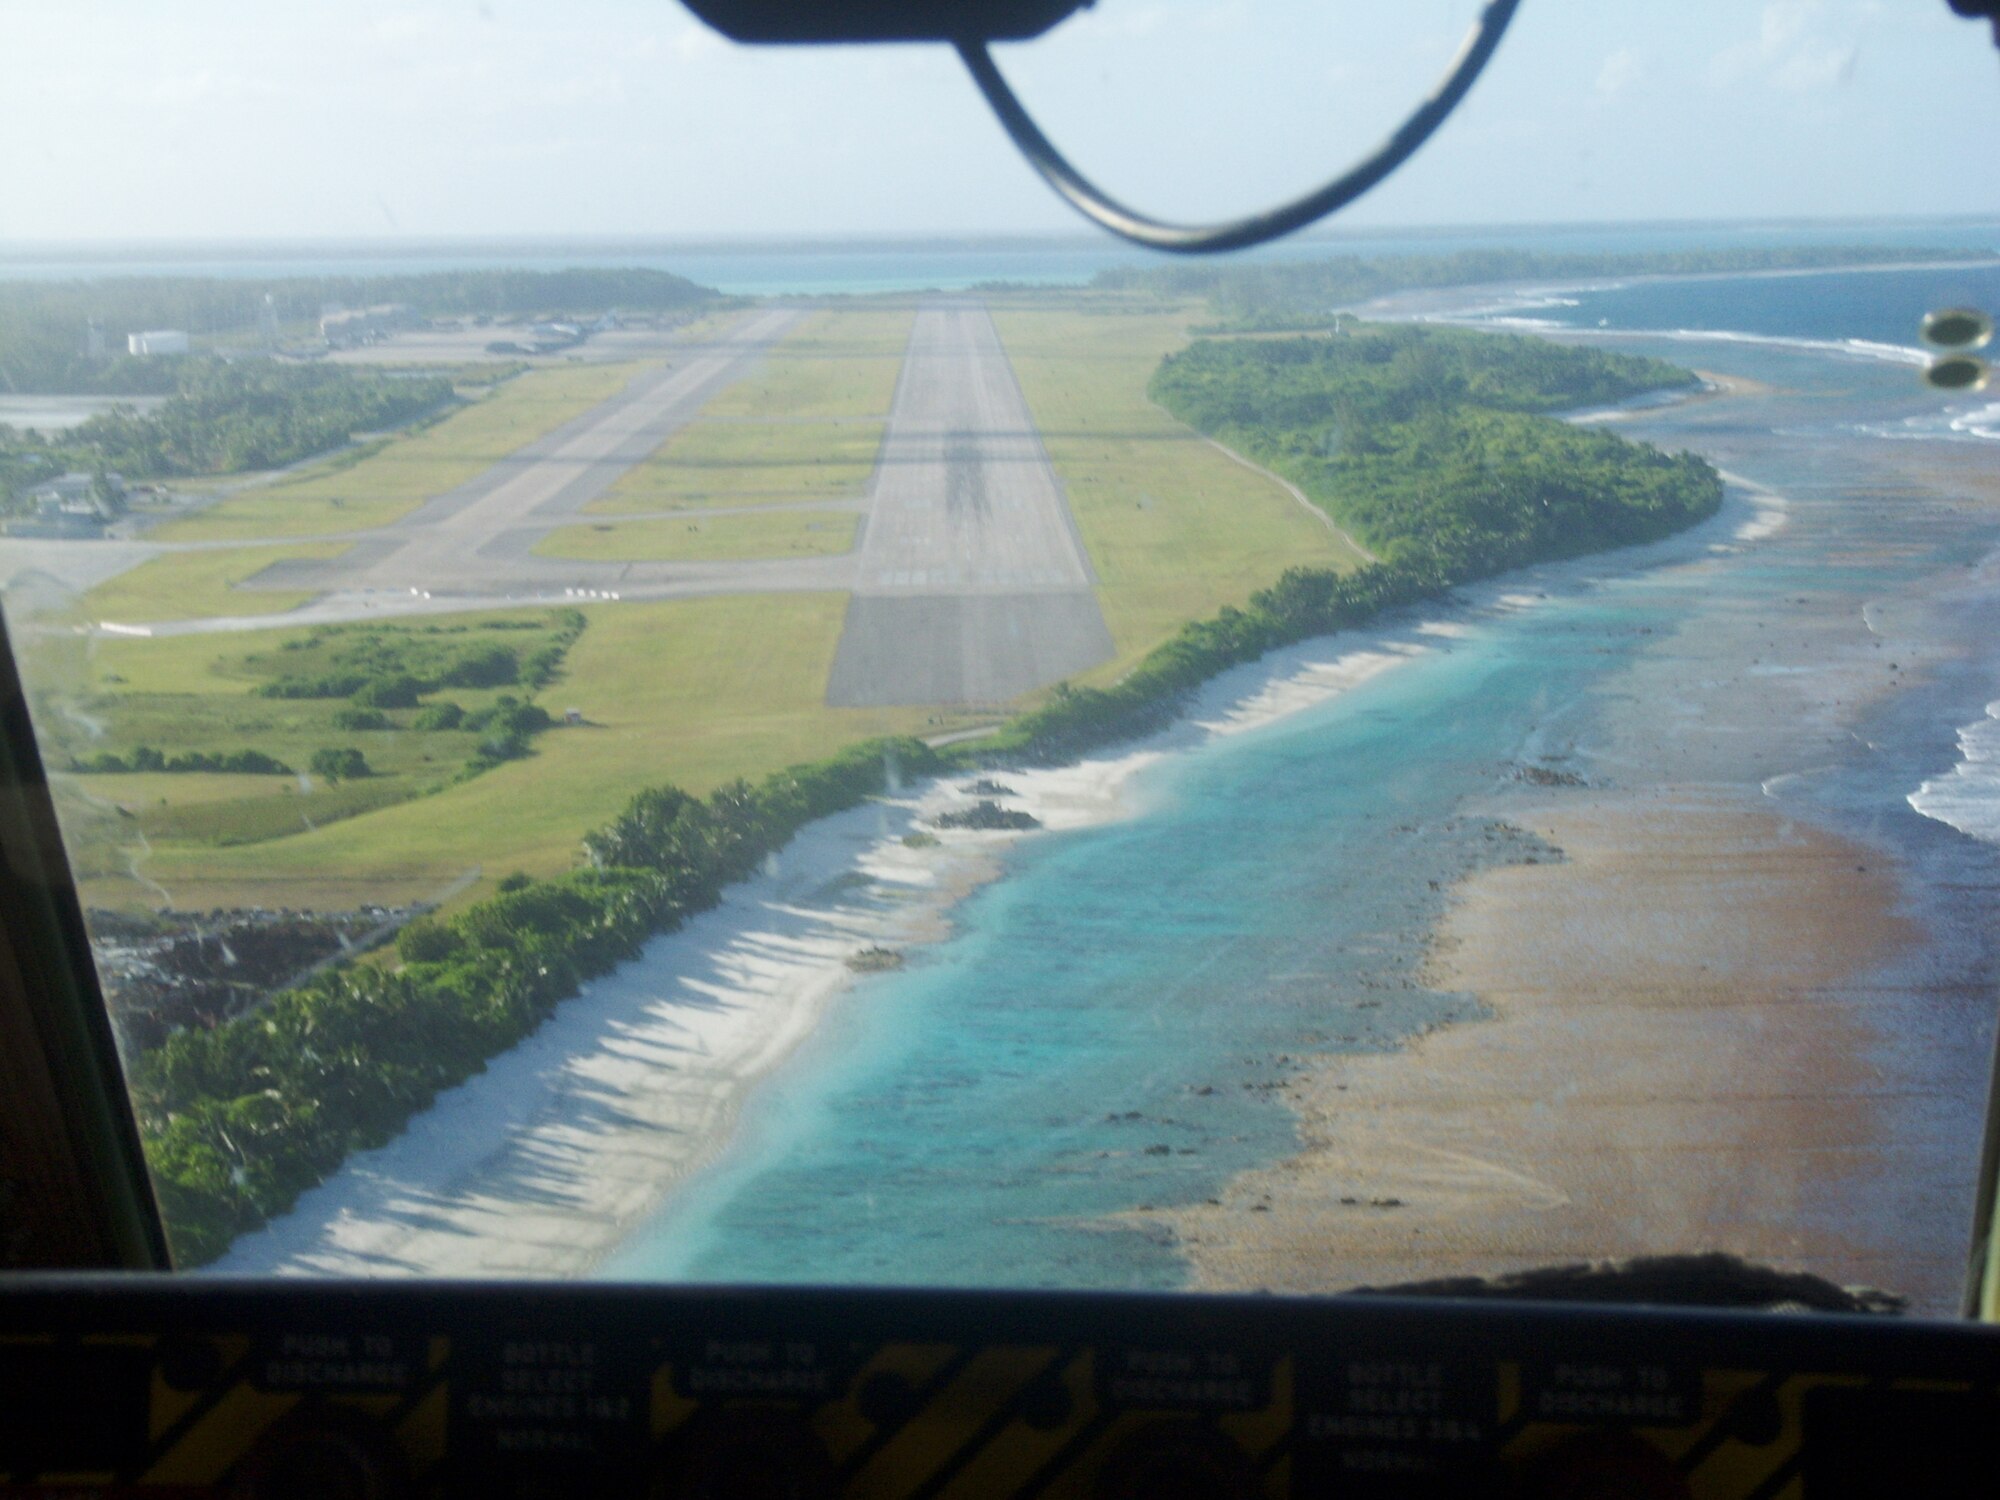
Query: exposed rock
point(987, 814)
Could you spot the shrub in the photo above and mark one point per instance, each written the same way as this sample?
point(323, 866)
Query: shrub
point(482, 666)
point(240, 762)
point(446, 715)
point(325, 685)
point(360, 718)
point(340, 764)
point(397, 691)
point(425, 941)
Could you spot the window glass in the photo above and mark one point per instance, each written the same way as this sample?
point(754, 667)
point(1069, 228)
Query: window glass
point(653, 665)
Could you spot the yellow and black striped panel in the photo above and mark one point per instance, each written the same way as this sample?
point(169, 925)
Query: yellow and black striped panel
point(658, 1395)
point(945, 1421)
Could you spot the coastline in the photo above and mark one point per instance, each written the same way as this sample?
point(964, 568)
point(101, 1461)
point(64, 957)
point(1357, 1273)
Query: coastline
point(546, 1163)
point(1700, 976)
point(1734, 964)
point(572, 1141)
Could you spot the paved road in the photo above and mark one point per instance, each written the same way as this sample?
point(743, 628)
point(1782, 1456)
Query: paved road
point(471, 538)
point(972, 585)
point(969, 584)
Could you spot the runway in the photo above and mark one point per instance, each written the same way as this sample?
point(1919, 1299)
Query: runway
point(477, 537)
point(971, 584)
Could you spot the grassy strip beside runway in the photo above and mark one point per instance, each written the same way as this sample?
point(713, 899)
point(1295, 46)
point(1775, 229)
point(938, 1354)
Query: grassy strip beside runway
point(387, 482)
point(806, 424)
point(837, 363)
point(699, 538)
point(196, 585)
point(750, 463)
point(1174, 528)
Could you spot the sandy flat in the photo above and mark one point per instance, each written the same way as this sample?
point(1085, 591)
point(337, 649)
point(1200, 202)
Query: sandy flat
point(1690, 1046)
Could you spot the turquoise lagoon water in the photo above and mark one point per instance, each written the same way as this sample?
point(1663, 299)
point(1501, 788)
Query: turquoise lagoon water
point(1109, 1026)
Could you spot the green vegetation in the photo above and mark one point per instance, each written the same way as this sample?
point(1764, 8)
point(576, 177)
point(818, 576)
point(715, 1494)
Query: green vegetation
point(391, 666)
point(340, 763)
point(225, 418)
point(149, 758)
point(698, 691)
point(841, 363)
point(240, 1119)
point(43, 325)
point(344, 702)
point(805, 425)
point(724, 538)
point(1250, 296)
point(197, 585)
point(384, 483)
point(750, 463)
point(1174, 528)
point(1423, 441)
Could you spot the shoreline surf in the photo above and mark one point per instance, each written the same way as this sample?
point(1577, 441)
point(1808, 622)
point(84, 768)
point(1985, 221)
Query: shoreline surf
point(549, 1161)
point(582, 1224)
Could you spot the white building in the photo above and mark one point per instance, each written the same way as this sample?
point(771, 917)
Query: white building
point(157, 341)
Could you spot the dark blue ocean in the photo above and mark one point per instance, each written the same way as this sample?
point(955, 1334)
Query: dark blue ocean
point(1110, 1025)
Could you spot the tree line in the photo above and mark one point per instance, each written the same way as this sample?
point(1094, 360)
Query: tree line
point(240, 1119)
point(43, 325)
point(225, 418)
point(1427, 444)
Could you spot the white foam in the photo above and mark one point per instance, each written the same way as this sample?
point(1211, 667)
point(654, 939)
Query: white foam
point(1968, 795)
point(1900, 354)
point(1953, 424)
point(1770, 512)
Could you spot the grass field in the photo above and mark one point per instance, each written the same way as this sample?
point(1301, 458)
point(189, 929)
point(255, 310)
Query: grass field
point(724, 538)
point(195, 585)
point(184, 694)
point(750, 463)
point(1175, 528)
point(694, 692)
point(386, 481)
point(840, 363)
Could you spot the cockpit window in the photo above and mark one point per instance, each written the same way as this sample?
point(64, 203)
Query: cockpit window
point(654, 667)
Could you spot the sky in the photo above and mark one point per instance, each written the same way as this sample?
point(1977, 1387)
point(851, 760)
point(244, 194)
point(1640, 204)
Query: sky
point(375, 119)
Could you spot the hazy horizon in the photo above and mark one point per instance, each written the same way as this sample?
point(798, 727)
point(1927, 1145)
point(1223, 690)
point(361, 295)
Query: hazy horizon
point(1082, 236)
point(225, 122)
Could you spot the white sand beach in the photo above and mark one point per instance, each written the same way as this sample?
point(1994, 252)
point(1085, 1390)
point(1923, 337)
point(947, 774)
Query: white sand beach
point(547, 1161)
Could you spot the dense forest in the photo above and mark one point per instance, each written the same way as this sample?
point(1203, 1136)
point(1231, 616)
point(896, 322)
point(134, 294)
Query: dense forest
point(1431, 446)
point(44, 325)
point(224, 418)
point(1427, 441)
point(1249, 295)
